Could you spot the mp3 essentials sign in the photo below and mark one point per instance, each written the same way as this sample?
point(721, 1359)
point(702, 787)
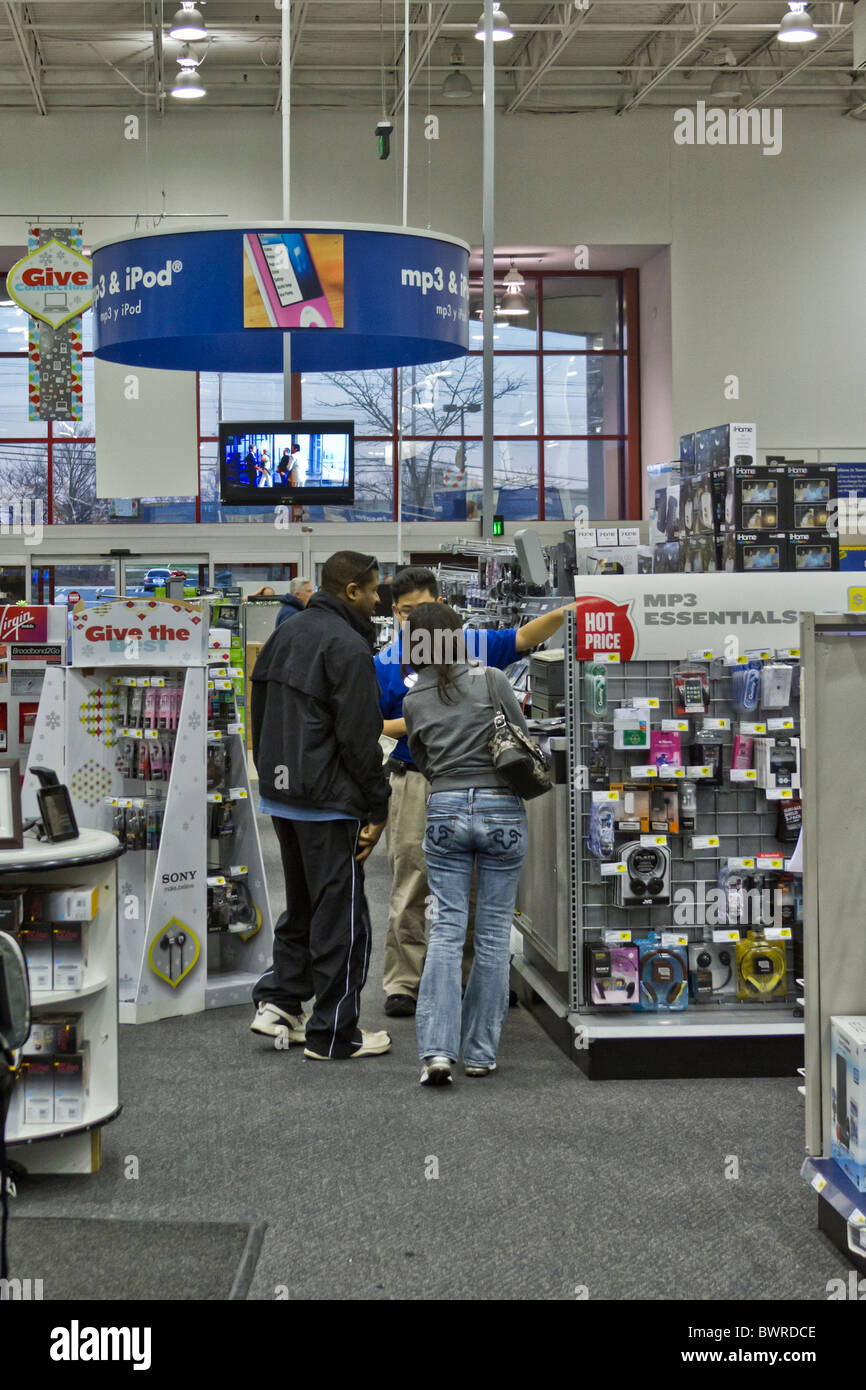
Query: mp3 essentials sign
point(640, 617)
point(175, 634)
point(353, 297)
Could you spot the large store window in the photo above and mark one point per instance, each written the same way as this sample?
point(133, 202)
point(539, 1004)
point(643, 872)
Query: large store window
point(565, 422)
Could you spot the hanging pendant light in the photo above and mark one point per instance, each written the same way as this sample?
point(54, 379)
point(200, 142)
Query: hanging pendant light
point(501, 28)
point(796, 26)
point(187, 24)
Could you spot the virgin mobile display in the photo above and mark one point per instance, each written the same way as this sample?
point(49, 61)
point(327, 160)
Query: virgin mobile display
point(291, 461)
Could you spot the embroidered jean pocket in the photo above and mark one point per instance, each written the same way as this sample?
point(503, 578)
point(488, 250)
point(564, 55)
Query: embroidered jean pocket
point(440, 832)
point(505, 836)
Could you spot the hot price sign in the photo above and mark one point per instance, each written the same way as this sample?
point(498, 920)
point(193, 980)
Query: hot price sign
point(602, 627)
point(121, 630)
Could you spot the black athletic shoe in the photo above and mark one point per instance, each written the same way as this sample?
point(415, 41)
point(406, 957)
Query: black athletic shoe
point(400, 1006)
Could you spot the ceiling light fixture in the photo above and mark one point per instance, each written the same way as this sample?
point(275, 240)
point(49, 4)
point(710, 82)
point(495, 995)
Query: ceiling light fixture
point(187, 84)
point(727, 86)
point(457, 86)
point(187, 24)
point(513, 278)
point(513, 304)
point(501, 28)
point(796, 26)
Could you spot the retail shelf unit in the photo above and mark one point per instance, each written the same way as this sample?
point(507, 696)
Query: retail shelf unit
point(93, 733)
point(834, 879)
point(726, 1036)
point(89, 861)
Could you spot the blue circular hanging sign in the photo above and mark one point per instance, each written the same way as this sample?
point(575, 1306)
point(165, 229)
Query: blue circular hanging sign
point(221, 299)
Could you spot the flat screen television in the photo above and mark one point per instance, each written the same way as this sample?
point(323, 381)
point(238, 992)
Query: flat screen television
point(290, 462)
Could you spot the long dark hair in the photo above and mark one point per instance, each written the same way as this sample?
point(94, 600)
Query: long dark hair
point(437, 640)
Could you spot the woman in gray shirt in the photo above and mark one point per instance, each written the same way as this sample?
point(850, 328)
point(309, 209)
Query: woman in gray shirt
point(474, 821)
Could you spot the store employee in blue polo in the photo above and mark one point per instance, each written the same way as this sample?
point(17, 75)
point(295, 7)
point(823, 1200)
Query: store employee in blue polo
point(406, 942)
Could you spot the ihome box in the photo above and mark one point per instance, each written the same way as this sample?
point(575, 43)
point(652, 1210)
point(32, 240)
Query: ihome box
point(848, 1090)
point(810, 501)
point(762, 552)
point(724, 445)
point(812, 550)
point(754, 498)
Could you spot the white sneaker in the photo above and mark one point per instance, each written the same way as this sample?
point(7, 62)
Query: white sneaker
point(272, 1022)
point(372, 1045)
point(437, 1071)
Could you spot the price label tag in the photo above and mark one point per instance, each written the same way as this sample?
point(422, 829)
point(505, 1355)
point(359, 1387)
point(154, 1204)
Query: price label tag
point(616, 938)
point(605, 796)
point(210, 685)
point(753, 728)
point(780, 723)
point(667, 771)
point(217, 881)
point(652, 703)
point(770, 861)
point(675, 726)
point(215, 796)
point(741, 863)
point(704, 655)
point(239, 869)
point(610, 658)
point(788, 651)
point(653, 839)
point(215, 734)
point(743, 774)
point(241, 794)
point(779, 793)
point(856, 1218)
point(673, 938)
point(717, 724)
point(610, 870)
point(819, 1183)
point(696, 770)
point(157, 680)
point(778, 933)
point(728, 935)
point(644, 770)
point(705, 842)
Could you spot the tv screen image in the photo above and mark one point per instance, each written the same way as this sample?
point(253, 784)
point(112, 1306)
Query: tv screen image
point(292, 461)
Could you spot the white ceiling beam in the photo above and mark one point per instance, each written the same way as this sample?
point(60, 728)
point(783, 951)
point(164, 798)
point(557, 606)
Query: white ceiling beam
point(792, 72)
point(431, 34)
point(27, 43)
point(544, 51)
point(684, 52)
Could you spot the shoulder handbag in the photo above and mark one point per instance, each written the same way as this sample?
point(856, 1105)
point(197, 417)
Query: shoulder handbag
point(519, 761)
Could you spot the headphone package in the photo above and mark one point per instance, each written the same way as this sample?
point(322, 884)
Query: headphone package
point(611, 974)
point(778, 762)
point(600, 840)
point(647, 879)
point(712, 971)
point(848, 1080)
point(664, 976)
point(761, 967)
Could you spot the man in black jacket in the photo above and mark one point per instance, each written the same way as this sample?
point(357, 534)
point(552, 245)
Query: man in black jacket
point(315, 725)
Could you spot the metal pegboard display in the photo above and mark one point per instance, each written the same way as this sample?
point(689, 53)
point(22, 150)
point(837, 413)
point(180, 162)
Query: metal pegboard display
point(739, 814)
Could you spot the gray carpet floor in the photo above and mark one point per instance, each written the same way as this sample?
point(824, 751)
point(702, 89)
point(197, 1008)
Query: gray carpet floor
point(531, 1184)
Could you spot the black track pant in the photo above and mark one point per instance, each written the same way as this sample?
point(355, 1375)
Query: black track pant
point(322, 940)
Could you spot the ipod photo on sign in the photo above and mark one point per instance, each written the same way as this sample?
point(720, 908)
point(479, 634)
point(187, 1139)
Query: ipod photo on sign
point(282, 285)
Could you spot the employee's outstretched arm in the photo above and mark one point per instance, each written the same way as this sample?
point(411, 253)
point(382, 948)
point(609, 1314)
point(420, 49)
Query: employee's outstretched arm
point(532, 634)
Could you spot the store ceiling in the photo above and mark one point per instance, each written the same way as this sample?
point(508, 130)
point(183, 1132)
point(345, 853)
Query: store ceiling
point(614, 55)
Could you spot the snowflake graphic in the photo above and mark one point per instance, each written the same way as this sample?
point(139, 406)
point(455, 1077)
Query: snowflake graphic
point(52, 721)
point(126, 889)
point(182, 758)
point(195, 720)
point(185, 825)
point(87, 649)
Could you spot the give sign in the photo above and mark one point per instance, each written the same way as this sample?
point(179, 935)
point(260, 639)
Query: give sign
point(139, 632)
point(52, 283)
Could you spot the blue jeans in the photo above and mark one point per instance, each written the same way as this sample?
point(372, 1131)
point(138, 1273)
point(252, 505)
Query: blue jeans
point(465, 828)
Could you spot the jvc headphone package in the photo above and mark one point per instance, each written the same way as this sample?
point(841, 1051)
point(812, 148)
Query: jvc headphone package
point(664, 976)
point(762, 968)
point(848, 1080)
point(778, 762)
point(611, 974)
point(712, 971)
point(647, 879)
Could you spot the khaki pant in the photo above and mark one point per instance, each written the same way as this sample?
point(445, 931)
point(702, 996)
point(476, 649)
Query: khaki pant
point(406, 941)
